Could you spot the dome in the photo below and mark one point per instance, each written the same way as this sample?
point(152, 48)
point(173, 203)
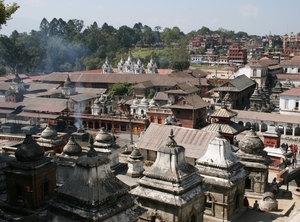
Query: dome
point(49, 133)
point(144, 101)
point(96, 102)
point(135, 154)
point(135, 102)
point(152, 103)
point(251, 143)
point(103, 136)
point(29, 150)
point(72, 147)
point(102, 99)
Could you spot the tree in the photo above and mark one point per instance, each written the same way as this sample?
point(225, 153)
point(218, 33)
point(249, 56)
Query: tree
point(119, 89)
point(180, 65)
point(6, 12)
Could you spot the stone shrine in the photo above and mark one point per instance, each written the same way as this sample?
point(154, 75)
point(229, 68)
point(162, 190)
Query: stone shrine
point(171, 189)
point(135, 163)
point(222, 170)
point(252, 155)
point(93, 193)
point(31, 177)
point(50, 140)
point(105, 144)
point(67, 160)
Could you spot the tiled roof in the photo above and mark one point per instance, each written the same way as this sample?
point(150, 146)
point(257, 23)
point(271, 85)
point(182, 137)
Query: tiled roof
point(231, 128)
point(251, 115)
point(4, 86)
point(240, 83)
point(291, 92)
point(295, 61)
point(160, 96)
point(196, 101)
point(194, 141)
point(224, 112)
point(39, 86)
point(292, 77)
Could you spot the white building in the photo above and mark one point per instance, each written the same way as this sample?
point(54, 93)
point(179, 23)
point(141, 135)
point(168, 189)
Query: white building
point(289, 102)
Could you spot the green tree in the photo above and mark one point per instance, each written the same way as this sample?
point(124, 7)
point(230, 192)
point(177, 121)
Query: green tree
point(119, 89)
point(151, 94)
point(6, 12)
point(180, 65)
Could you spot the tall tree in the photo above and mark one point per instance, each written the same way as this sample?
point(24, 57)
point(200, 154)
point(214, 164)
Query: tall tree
point(6, 12)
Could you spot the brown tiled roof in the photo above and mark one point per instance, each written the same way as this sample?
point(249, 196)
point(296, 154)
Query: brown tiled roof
point(295, 61)
point(160, 96)
point(291, 92)
point(224, 112)
point(267, 116)
point(143, 85)
point(194, 141)
point(4, 86)
point(196, 101)
point(39, 86)
point(187, 87)
point(231, 128)
point(292, 77)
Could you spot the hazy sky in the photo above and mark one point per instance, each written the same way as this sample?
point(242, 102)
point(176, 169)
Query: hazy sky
point(258, 17)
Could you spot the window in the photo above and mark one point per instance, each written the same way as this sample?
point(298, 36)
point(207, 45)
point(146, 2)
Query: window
point(19, 192)
point(46, 189)
point(254, 72)
point(286, 104)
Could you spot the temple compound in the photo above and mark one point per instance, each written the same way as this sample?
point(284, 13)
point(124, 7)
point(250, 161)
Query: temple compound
point(222, 170)
point(132, 66)
point(171, 189)
point(252, 155)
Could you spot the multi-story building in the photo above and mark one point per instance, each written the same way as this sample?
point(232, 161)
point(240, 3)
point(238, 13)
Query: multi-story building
point(291, 46)
point(237, 54)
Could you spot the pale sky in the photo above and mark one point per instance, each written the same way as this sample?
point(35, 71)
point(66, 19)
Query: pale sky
point(256, 17)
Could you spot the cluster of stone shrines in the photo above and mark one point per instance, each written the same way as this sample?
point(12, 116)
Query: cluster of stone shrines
point(130, 66)
point(170, 190)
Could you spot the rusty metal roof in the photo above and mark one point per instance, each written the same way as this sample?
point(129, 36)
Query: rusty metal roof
point(39, 104)
point(194, 141)
point(156, 79)
point(38, 115)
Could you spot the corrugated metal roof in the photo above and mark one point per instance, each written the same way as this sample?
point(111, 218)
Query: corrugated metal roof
point(83, 97)
point(39, 86)
point(38, 115)
point(44, 104)
point(194, 141)
point(156, 79)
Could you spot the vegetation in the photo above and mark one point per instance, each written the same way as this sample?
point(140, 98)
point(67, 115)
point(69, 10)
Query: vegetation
point(121, 89)
point(66, 46)
point(6, 12)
